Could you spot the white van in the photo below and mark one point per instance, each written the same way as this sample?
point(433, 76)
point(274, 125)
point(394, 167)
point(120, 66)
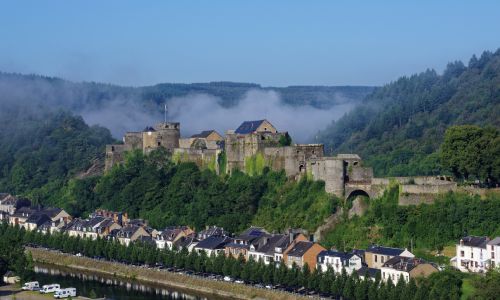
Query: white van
point(50, 288)
point(31, 286)
point(65, 293)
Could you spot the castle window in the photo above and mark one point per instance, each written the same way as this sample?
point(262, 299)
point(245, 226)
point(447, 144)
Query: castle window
point(159, 143)
point(112, 148)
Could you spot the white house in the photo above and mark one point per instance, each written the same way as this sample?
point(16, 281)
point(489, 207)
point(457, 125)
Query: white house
point(493, 250)
point(212, 245)
point(338, 261)
point(472, 255)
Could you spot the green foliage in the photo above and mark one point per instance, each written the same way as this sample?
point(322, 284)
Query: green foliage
point(298, 205)
point(285, 140)
point(222, 161)
point(398, 129)
point(40, 152)
point(472, 151)
point(255, 164)
point(12, 255)
point(171, 194)
point(487, 287)
point(428, 226)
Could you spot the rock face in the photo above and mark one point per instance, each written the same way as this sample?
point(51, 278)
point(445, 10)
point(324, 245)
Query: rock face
point(359, 207)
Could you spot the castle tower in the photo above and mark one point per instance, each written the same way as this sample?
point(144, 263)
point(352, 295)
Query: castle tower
point(165, 134)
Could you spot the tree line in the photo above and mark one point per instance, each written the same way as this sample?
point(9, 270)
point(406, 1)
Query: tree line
point(440, 285)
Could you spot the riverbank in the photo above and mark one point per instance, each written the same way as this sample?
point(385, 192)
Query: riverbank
point(11, 292)
point(218, 289)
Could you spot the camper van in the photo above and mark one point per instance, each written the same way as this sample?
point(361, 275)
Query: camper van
point(50, 288)
point(65, 293)
point(31, 286)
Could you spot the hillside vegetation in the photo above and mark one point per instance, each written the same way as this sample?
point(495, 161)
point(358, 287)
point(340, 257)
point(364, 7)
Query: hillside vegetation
point(40, 151)
point(400, 126)
point(425, 227)
point(153, 188)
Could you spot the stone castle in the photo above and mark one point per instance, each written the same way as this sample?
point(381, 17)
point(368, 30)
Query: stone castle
point(257, 144)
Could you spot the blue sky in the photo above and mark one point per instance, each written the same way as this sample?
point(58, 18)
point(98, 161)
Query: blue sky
point(274, 43)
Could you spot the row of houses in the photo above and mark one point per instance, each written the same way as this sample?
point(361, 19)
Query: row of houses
point(293, 247)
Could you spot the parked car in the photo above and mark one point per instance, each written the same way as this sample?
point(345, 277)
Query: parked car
point(228, 279)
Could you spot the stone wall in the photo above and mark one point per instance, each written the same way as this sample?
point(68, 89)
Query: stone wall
point(360, 174)
point(292, 159)
point(239, 147)
point(133, 140)
point(203, 158)
point(114, 155)
point(331, 171)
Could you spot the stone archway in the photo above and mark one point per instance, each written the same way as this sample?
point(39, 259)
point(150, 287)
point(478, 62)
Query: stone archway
point(355, 193)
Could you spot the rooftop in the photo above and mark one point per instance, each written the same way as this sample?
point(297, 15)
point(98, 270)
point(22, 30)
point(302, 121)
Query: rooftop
point(475, 241)
point(300, 249)
point(402, 263)
point(203, 134)
point(384, 250)
point(248, 127)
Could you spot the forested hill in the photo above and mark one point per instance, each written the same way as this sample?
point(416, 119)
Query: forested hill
point(399, 127)
point(81, 96)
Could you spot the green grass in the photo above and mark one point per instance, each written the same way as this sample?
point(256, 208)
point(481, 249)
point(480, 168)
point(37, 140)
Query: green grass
point(467, 289)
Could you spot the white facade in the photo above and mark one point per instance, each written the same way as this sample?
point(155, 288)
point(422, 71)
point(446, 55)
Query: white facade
point(471, 259)
point(394, 275)
point(493, 251)
point(350, 263)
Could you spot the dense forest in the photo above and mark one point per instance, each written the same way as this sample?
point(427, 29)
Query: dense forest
point(399, 128)
point(41, 151)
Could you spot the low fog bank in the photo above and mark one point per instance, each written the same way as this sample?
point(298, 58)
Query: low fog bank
point(201, 112)
point(123, 109)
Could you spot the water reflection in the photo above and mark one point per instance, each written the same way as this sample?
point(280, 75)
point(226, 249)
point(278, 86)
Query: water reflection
point(91, 285)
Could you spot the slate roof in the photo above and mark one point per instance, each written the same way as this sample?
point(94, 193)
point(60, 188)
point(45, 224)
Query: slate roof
point(212, 231)
point(127, 231)
point(251, 234)
point(248, 127)
point(213, 242)
point(38, 218)
point(300, 249)
point(370, 272)
point(277, 240)
point(237, 246)
point(475, 241)
point(204, 134)
point(185, 241)
point(52, 211)
point(495, 241)
point(23, 212)
point(385, 250)
point(402, 263)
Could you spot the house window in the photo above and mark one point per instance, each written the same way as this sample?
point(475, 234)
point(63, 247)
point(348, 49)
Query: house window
point(493, 255)
point(472, 254)
point(375, 258)
point(462, 253)
point(382, 259)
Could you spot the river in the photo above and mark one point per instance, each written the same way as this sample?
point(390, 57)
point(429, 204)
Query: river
point(99, 286)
